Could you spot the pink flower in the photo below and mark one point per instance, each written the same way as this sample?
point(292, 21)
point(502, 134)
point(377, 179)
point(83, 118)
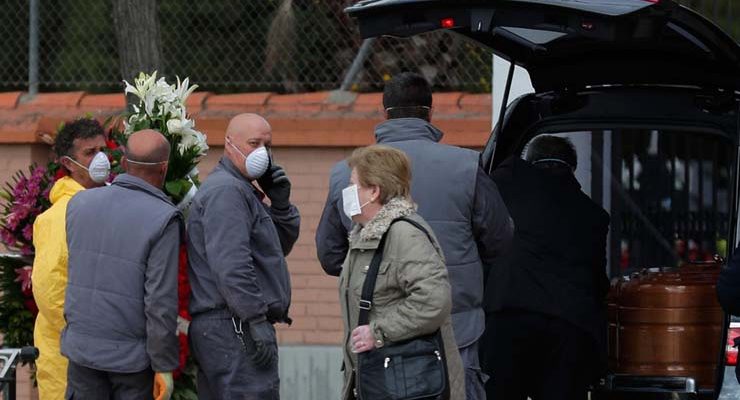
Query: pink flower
point(26, 250)
point(24, 277)
point(7, 237)
point(11, 221)
point(28, 232)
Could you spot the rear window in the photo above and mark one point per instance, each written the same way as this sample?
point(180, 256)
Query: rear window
point(668, 194)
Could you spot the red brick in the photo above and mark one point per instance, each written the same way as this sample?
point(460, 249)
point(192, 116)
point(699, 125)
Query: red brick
point(324, 310)
point(10, 99)
point(330, 323)
point(323, 282)
point(242, 101)
point(477, 103)
point(61, 100)
point(369, 103)
point(290, 336)
point(301, 98)
point(115, 100)
point(304, 323)
point(197, 100)
point(332, 337)
point(297, 310)
point(446, 100)
point(301, 267)
point(315, 295)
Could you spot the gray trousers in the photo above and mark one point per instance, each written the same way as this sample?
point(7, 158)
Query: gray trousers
point(225, 370)
point(475, 379)
point(91, 384)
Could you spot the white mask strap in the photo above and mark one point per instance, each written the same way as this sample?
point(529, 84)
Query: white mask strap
point(75, 161)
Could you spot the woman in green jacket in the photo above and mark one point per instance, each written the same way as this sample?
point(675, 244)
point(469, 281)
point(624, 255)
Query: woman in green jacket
point(412, 294)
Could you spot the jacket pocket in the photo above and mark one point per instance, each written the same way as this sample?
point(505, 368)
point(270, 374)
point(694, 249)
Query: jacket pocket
point(385, 285)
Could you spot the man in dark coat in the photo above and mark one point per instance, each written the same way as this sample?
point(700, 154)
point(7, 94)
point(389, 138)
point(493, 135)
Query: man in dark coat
point(457, 198)
point(545, 304)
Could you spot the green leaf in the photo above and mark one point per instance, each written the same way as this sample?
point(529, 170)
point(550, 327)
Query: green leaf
point(174, 188)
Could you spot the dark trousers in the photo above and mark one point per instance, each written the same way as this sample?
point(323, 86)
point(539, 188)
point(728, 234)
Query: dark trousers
point(536, 356)
point(225, 370)
point(90, 384)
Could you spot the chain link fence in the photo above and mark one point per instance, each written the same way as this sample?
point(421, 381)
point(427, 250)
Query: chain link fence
point(237, 45)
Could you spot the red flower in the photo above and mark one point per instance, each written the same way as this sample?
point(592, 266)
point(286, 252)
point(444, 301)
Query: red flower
point(183, 300)
point(61, 173)
point(184, 353)
point(31, 306)
point(111, 144)
point(183, 284)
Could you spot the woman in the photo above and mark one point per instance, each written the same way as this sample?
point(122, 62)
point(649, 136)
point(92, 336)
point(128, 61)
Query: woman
point(412, 294)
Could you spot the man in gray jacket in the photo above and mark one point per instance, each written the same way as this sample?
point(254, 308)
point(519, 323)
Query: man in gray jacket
point(240, 282)
point(121, 298)
point(454, 195)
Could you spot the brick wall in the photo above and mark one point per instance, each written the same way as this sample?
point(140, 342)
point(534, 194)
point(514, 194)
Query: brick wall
point(310, 134)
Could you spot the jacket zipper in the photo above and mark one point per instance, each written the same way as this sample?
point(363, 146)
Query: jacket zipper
point(387, 360)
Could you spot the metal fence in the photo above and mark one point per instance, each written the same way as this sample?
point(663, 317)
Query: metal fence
point(242, 45)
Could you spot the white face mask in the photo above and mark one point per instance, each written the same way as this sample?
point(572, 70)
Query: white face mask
point(99, 168)
point(351, 201)
point(256, 162)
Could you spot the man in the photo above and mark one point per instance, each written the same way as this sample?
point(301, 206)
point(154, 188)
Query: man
point(240, 283)
point(79, 149)
point(121, 302)
point(455, 196)
point(546, 331)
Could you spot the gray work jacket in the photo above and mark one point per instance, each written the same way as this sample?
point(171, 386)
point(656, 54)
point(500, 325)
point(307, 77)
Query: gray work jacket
point(237, 247)
point(121, 300)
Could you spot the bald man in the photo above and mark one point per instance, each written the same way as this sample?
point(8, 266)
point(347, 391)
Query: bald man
point(121, 298)
point(240, 283)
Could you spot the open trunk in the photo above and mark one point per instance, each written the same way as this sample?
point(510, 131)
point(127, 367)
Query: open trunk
point(649, 92)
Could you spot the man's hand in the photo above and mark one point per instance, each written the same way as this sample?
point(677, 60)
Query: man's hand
point(265, 348)
point(163, 385)
point(276, 185)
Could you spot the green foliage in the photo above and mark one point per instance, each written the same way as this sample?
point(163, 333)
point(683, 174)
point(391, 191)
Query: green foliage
point(16, 321)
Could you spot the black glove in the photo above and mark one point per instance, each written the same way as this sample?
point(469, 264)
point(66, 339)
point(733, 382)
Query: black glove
point(276, 186)
point(265, 348)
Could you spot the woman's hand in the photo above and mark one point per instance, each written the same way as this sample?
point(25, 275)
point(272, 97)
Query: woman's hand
point(362, 339)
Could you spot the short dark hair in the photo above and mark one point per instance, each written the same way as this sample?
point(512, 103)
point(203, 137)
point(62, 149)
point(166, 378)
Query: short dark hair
point(549, 151)
point(407, 95)
point(83, 128)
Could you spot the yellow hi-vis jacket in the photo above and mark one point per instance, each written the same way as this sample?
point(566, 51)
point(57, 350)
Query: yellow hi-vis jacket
point(49, 280)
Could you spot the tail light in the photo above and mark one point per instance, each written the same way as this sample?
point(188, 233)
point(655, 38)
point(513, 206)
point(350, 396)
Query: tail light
point(731, 350)
point(447, 23)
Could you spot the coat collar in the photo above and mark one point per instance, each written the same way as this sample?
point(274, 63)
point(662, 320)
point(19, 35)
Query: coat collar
point(231, 169)
point(134, 183)
point(372, 231)
point(64, 187)
point(400, 129)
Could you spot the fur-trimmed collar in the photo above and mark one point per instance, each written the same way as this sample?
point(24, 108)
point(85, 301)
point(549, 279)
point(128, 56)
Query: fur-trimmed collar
point(397, 207)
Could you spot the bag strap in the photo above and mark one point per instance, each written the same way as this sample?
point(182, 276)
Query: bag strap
point(366, 299)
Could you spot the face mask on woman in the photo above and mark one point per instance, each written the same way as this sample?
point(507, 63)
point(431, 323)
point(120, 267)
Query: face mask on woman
point(351, 201)
point(99, 168)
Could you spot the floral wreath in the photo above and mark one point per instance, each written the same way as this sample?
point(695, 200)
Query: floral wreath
point(162, 107)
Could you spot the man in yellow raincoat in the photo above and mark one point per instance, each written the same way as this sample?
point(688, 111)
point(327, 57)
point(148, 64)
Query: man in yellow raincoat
point(79, 148)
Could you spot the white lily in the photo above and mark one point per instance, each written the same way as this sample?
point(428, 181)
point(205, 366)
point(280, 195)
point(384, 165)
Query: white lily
point(176, 126)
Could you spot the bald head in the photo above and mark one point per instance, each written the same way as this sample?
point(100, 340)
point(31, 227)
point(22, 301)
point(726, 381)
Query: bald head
point(147, 153)
point(147, 146)
point(244, 126)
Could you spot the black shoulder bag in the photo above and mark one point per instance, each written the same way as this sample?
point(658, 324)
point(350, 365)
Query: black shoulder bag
point(414, 369)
